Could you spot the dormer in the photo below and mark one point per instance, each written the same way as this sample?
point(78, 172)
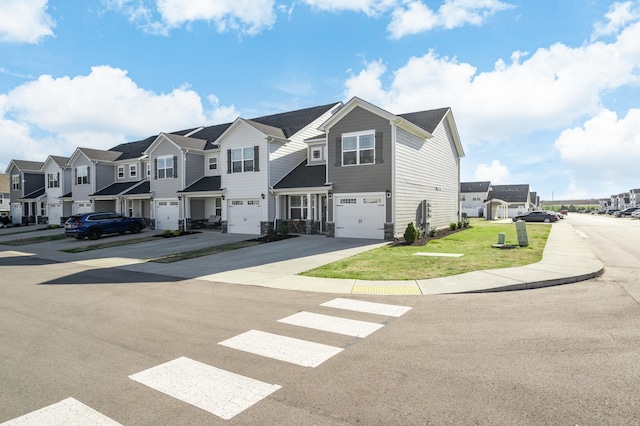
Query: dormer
point(317, 150)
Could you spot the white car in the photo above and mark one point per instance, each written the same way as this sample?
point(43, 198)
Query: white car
point(636, 214)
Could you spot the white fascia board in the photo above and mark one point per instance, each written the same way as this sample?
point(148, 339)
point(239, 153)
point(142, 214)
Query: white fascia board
point(454, 131)
point(197, 194)
point(303, 191)
point(411, 128)
point(350, 106)
point(75, 156)
point(159, 139)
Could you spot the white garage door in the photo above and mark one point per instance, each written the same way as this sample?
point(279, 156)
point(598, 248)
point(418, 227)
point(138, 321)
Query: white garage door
point(16, 213)
point(55, 213)
point(83, 208)
point(243, 217)
point(167, 215)
point(360, 215)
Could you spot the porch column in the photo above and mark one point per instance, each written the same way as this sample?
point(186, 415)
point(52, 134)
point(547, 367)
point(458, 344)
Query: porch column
point(309, 212)
point(278, 214)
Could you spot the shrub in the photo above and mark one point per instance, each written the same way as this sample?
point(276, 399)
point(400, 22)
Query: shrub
point(460, 225)
point(166, 233)
point(453, 226)
point(465, 223)
point(177, 233)
point(410, 234)
point(433, 232)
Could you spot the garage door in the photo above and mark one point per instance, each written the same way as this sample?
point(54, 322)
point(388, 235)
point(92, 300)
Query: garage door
point(16, 212)
point(83, 208)
point(167, 215)
point(55, 213)
point(243, 217)
point(360, 215)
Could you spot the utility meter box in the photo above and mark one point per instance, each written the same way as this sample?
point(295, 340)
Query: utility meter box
point(521, 229)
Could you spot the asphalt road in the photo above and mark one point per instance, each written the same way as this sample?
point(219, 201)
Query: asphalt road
point(559, 355)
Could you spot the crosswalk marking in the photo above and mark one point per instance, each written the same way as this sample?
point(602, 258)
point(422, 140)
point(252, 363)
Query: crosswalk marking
point(68, 412)
point(282, 348)
point(217, 391)
point(333, 324)
point(368, 307)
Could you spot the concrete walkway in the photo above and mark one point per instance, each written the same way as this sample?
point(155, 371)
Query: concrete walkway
point(566, 259)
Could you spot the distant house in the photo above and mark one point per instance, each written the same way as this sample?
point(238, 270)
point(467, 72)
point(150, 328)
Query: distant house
point(634, 198)
point(57, 175)
point(472, 197)
point(5, 196)
point(507, 201)
point(534, 201)
point(27, 191)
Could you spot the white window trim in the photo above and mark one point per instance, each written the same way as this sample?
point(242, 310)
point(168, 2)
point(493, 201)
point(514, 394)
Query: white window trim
point(133, 170)
point(82, 179)
point(242, 160)
point(214, 163)
point(120, 172)
point(172, 168)
point(15, 182)
point(315, 149)
point(52, 180)
point(357, 135)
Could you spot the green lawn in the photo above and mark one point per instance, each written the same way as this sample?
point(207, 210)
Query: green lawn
point(395, 262)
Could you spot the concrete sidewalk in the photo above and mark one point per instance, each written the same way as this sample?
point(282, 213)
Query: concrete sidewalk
point(566, 259)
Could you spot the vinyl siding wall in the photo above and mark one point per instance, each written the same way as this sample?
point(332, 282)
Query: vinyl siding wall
point(81, 192)
point(427, 170)
point(15, 193)
point(104, 175)
point(166, 188)
point(194, 168)
point(364, 178)
point(53, 193)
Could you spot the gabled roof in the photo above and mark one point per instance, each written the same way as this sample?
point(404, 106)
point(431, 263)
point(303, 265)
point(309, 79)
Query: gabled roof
point(114, 189)
point(96, 154)
point(267, 130)
point(509, 193)
point(143, 188)
point(304, 176)
point(131, 150)
point(34, 195)
point(25, 166)
point(293, 121)
point(427, 120)
point(181, 142)
point(59, 160)
point(211, 134)
point(482, 186)
point(205, 184)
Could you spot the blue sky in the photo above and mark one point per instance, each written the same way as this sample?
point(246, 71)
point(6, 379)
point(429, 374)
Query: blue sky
point(544, 92)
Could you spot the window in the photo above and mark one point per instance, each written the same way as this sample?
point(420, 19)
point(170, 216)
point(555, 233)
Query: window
point(298, 207)
point(358, 148)
point(213, 163)
point(53, 180)
point(165, 167)
point(43, 209)
point(15, 182)
point(219, 207)
point(120, 172)
point(133, 170)
point(148, 169)
point(316, 154)
point(82, 175)
point(242, 160)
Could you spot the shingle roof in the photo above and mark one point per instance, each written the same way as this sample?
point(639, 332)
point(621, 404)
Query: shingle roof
point(135, 149)
point(205, 184)
point(304, 176)
point(427, 120)
point(114, 189)
point(211, 134)
point(293, 121)
point(186, 142)
point(34, 195)
point(100, 155)
point(509, 193)
point(143, 188)
point(482, 186)
point(60, 161)
point(30, 166)
point(266, 129)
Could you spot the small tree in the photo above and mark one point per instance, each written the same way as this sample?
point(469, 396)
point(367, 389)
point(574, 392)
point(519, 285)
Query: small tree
point(410, 234)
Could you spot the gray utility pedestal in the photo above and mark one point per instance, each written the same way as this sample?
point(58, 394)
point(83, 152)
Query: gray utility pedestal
point(521, 229)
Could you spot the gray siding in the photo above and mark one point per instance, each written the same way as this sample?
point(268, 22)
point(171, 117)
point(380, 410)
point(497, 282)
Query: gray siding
point(81, 192)
point(15, 193)
point(364, 178)
point(166, 188)
point(33, 182)
point(105, 176)
point(197, 209)
point(195, 168)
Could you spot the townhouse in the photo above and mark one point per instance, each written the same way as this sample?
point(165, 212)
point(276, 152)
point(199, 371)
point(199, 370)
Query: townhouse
point(343, 170)
point(26, 191)
point(473, 196)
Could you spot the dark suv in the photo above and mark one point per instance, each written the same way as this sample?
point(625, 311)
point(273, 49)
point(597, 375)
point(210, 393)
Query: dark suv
point(93, 225)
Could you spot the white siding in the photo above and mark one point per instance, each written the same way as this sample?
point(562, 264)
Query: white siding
point(426, 170)
point(166, 188)
point(53, 193)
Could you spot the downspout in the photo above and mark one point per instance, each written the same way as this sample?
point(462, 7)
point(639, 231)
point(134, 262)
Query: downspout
point(393, 175)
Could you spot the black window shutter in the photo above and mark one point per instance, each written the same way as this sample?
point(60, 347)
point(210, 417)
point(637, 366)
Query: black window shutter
point(338, 151)
point(155, 168)
point(379, 148)
point(88, 174)
point(76, 175)
point(228, 161)
point(256, 158)
point(175, 166)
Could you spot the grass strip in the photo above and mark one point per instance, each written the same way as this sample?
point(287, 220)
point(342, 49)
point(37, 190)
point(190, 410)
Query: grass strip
point(108, 245)
point(177, 257)
point(396, 262)
point(34, 240)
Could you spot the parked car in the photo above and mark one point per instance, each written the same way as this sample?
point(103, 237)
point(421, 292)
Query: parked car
point(612, 211)
point(636, 214)
point(626, 212)
point(537, 216)
point(94, 225)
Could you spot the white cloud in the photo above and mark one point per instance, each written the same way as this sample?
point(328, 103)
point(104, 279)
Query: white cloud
point(368, 7)
point(24, 21)
point(619, 15)
point(160, 16)
point(102, 109)
point(549, 90)
point(416, 17)
point(604, 150)
point(495, 172)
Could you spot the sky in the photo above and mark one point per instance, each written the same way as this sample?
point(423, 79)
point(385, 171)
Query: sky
point(543, 92)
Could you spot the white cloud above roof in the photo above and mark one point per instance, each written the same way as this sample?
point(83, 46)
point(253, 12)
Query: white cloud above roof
point(496, 173)
point(416, 17)
point(23, 21)
point(368, 7)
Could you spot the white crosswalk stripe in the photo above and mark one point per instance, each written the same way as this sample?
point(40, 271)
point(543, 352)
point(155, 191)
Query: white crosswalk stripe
point(217, 391)
point(367, 307)
point(333, 324)
point(68, 412)
point(295, 351)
